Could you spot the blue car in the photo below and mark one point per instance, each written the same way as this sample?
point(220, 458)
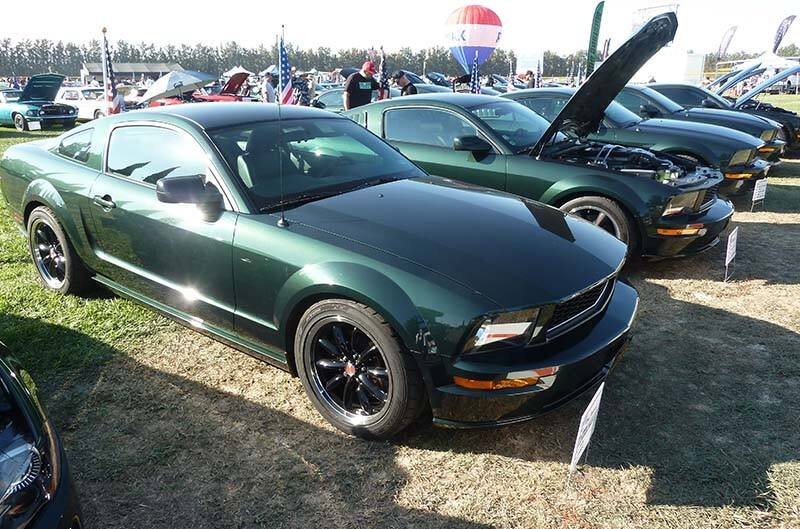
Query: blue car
point(32, 108)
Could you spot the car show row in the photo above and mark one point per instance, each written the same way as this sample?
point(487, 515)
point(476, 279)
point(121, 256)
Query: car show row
point(457, 253)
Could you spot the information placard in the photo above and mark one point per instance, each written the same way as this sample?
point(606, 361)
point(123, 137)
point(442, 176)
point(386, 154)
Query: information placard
point(586, 428)
point(730, 253)
point(759, 192)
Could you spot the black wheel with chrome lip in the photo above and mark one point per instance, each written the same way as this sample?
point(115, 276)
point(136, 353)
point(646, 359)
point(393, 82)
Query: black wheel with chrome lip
point(59, 267)
point(355, 370)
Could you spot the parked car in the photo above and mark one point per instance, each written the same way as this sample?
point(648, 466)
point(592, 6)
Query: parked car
point(315, 246)
point(659, 204)
point(33, 106)
point(36, 488)
point(649, 103)
point(734, 153)
point(90, 101)
point(333, 101)
point(231, 90)
point(695, 97)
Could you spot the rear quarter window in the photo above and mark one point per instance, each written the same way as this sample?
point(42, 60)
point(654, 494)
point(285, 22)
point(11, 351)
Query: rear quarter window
point(76, 146)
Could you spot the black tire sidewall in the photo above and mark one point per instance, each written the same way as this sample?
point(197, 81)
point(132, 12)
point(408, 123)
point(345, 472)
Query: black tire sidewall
point(394, 417)
point(75, 275)
point(611, 208)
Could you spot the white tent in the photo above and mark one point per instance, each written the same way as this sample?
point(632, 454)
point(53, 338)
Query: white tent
point(768, 60)
point(236, 69)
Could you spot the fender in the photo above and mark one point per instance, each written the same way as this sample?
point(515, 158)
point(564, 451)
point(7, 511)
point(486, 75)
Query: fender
point(587, 184)
point(351, 280)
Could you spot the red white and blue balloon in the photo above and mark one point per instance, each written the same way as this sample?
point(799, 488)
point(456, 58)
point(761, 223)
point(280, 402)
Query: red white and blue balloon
point(472, 29)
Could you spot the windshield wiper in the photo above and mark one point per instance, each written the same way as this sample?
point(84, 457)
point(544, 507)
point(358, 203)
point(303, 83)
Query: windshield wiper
point(305, 198)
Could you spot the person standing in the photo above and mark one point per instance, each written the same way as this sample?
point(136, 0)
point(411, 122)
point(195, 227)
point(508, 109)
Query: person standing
point(530, 79)
point(94, 82)
point(359, 86)
point(407, 88)
point(267, 89)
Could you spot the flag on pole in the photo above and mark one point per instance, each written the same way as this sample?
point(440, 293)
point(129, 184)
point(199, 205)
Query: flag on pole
point(726, 41)
point(475, 77)
point(580, 75)
point(383, 78)
point(115, 103)
point(284, 75)
point(537, 81)
point(782, 29)
point(510, 86)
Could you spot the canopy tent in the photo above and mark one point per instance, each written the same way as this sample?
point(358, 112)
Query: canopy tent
point(175, 83)
point(770, 61)
point(236, 69)
point(128, 70)
point(271, 69)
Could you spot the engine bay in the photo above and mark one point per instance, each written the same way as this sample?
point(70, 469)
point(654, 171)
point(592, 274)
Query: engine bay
point(665, 168)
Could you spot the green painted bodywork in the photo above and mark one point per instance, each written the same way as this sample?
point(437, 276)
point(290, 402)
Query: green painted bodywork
point(241, 277)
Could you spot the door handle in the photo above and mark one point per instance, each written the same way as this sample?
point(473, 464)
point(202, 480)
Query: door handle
point(104, 202)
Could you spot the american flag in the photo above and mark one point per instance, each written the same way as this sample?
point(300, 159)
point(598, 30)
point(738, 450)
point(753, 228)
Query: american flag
point(510, 86)
point(115, 101)
point(475, 77)
point(383, 78)
point(537, 81)
point(285, 79)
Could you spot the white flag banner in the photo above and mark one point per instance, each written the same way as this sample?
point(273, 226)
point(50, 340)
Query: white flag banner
point(586, 428)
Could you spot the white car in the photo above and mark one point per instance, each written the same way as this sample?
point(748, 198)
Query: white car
point(88, 100)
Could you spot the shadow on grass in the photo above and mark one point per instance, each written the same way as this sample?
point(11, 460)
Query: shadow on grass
point(150, 449)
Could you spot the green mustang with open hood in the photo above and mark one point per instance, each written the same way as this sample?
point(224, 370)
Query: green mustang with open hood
point(661, 205)
point(299, 237)
point(34, 104)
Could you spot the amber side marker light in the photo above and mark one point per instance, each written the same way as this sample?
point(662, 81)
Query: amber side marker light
point(738, 176)
point(506, 383)
point(691, 229)
point(766, 149)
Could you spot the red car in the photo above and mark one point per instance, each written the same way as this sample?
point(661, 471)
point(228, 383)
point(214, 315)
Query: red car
point(229, 92)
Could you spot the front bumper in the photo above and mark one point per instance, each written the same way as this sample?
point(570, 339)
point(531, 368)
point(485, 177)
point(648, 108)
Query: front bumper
point(714, 221)
point(772, 151)
point(739, 179)
point(583, 358)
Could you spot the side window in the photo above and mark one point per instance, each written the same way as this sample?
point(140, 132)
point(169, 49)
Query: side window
point(426, 126)
point(71, 95)
point(331, 99)
point(680, 96)
point(147, 154)
point(630, 101)
point(76, 146)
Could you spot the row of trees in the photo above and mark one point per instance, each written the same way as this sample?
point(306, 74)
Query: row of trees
point(28, 57)
point(792, 50)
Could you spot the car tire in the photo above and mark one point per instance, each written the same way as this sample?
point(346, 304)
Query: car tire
point(99, 114)
point(58, 265)
point(20, 123)
point(606, 214)
point(337, 369)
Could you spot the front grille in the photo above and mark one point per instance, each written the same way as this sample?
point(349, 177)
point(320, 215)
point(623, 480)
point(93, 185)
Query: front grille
point(53, 110)
point(579, 308)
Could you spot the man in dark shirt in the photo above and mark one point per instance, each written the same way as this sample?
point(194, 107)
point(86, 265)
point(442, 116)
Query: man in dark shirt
point(407, 88)
point(359, 86)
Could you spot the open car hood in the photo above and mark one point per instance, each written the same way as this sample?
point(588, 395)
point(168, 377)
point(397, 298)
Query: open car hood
point(584, 111)
point(43, 87)
point(233, 85)
point(743, 75)
point(766, 84)
point(724, 79)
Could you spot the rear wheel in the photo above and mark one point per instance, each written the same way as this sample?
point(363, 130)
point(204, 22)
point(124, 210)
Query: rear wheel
point(606, 214)
point(20, 123)
point(355, 371)
point(59, 267)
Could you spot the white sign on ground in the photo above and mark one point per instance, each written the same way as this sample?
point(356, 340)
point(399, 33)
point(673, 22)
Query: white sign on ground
point(730, 254)
point(34, 125)
point(759, 191)
point(586, 428)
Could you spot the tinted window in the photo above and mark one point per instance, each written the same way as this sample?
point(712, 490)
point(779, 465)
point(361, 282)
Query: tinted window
point(681, 96)
point(661, 100)
point(546, 106)
point(516, 124)
point(426, 126)
point(631, 101)
point(316, 156)
point(76, 146)
point(332, 99)
point(621, 116)
point(147, 154)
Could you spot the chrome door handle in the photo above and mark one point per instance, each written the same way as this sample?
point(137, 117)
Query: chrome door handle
point(104, 202)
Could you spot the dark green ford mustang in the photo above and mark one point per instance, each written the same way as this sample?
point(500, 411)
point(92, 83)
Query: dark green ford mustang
point(314, 245)
point(660, 204)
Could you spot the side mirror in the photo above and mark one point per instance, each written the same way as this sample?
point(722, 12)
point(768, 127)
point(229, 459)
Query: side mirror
point(316, 103)
point(188, 190)
point(471, 144)
point(709, 103)
point(649, 111)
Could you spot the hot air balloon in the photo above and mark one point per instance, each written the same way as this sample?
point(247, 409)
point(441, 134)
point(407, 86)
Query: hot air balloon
point(472, 29)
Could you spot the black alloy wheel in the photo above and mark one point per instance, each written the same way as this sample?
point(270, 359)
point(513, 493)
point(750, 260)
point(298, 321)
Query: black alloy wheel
point(59, 267)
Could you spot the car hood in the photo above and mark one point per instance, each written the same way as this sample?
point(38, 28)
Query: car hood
point(734, 77)
point(584, 111)
point(788, 72)
point(234, 84)
point(706, 133)
point(515, 252)
point(730, 118)
point(42, 87)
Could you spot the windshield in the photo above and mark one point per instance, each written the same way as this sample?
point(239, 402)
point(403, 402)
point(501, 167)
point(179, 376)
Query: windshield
point(92, 95)
point(621, 116)
point(319, 157)
point(661, 100)
point(721, 101)
point(12, 95)
point(518, 125)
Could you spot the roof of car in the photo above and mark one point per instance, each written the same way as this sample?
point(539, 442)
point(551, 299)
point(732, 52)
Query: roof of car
point(546, 90)
point(218, 114)
point(458, 99)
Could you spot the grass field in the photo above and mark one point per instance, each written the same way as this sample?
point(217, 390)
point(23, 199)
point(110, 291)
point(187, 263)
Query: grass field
point(789, 102)
point(698, 428)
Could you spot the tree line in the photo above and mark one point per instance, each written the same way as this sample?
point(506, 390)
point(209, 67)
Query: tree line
point(792, 50)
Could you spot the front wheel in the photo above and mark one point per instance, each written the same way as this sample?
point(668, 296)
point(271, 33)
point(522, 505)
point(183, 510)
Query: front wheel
point(355, 371)
point(20, 123)
point(606, 214)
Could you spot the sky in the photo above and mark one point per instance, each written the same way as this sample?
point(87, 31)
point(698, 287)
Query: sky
point(528, 27)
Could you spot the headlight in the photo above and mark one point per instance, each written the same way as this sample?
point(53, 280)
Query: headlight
point(679, 204)
point(741, 157)
point(768, 135)
point(20, 468)
point(32, 113)
point(71, 111)
point(506, 329)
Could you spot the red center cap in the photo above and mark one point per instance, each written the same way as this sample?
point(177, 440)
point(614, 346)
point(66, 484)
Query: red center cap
point(349, 369)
